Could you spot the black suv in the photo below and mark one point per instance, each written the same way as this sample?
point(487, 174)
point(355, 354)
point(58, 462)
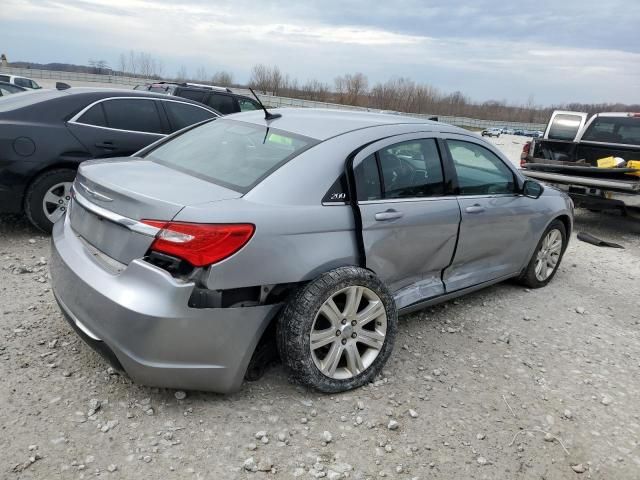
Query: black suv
point(220, 99)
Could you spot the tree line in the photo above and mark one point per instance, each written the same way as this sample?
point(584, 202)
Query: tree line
point(401, 94)
point(397, 94)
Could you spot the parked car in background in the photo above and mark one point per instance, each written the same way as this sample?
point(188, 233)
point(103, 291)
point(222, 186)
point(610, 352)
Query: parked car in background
point(221, 99)
point(508, 131)
point(9, 89)
point(23, 82)
point(491, 132)
point(533, 133)
point(177, 263)
point(518, 131)
point(596, 161)
point(46, 134)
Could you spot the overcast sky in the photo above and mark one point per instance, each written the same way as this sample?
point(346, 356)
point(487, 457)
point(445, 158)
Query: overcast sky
point(556, 51)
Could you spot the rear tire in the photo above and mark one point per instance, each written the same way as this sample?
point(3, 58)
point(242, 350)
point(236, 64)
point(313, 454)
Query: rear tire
point(48, 196)
point(546, 258)
point(353, 319)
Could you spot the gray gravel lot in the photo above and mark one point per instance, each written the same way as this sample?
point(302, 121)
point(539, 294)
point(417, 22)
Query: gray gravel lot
point(503, 384)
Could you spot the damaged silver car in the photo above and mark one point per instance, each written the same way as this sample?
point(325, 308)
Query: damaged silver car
point(315, 227)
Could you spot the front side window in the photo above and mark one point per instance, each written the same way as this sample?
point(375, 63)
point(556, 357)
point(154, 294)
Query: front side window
point(182, 115)
point(409, 169)
point(480, 171)
point(222, 103)
point(136, 115)
point(234, 154)
point(247, 104)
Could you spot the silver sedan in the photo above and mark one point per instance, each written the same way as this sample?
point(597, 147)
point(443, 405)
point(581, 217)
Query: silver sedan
point(313, 230)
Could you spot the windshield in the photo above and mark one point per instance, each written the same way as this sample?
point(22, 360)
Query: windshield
point(233, 154)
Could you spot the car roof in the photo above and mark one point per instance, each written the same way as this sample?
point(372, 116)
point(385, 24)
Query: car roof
point(77, 98)
point(321, 124)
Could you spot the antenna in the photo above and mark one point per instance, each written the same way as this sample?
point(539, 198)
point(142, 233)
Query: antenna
point(267, 115)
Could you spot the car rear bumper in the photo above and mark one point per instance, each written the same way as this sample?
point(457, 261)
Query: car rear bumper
point(139, 319)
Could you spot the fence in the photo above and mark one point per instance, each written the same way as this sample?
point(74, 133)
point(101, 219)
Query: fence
point(269, 100)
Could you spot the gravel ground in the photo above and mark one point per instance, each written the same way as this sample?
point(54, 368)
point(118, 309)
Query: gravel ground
point(504, 383)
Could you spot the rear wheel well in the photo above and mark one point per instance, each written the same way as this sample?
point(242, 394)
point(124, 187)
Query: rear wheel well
point(39, 173)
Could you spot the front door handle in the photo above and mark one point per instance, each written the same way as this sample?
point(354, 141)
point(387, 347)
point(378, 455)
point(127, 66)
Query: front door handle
point(388, 215)
point(477, 208)
point(106, 145)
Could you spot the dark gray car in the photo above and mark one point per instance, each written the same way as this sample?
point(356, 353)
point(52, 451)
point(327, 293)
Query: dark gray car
point(322, 225)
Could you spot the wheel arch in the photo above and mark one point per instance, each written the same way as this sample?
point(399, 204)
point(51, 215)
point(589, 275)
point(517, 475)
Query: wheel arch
point(58, 165)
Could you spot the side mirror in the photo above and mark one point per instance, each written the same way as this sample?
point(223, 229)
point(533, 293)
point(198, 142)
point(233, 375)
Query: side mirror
point(532, 189)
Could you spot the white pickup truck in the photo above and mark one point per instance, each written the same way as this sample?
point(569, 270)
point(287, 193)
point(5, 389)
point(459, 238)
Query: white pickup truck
point(567, 157)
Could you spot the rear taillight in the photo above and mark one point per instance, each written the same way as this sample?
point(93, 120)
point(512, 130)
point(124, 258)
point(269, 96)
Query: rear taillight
point(525, 153)
point(200, 244)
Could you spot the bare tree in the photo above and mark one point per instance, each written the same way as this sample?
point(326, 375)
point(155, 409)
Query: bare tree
point(260, 78)
point(181, 75)
point(122, 63)
point(222, 78)
point(201, 74)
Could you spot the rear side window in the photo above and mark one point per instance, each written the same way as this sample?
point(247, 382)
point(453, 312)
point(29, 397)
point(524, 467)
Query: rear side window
point(4, 78)
point(94, 116)
point(197, 95)
point(182, 115)
point(614, 130)
point(368, 185)
point(233, 154)
point(564, 127)
point(136, 115)
point(224, 104)
point(479, 171)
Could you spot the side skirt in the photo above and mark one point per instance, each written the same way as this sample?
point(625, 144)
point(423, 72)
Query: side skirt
point(448, 296)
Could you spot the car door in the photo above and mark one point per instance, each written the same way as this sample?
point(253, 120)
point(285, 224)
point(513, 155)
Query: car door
point(117, 127)
point(496, 222)
point(409, 224)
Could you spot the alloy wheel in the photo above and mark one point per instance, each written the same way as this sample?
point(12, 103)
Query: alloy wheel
point(549, 255)
point(56, 201)
point(348, 332)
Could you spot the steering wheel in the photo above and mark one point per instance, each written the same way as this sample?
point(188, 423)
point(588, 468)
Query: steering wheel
point(403, 174)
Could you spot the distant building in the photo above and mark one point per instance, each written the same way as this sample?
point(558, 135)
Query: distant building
point(3, 61)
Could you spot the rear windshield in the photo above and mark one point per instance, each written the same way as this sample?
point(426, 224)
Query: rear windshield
point(233, 154)
point(614, 130)
point(564, 127)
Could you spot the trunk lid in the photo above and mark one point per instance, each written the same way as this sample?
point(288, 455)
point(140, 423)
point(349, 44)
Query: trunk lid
point(112, 196)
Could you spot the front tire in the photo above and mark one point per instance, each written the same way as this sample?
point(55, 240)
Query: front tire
point(337, 332)
point(547, 256)
point(48, 196)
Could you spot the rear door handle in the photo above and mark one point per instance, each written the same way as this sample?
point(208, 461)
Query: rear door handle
point(388, 215)
point(106, 145)
point(474, 209)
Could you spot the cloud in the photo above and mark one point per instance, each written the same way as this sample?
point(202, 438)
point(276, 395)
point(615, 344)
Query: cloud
point(558, 53)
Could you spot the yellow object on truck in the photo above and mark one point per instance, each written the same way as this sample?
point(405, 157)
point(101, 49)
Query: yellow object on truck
point(610, 162)
point(634, 164)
